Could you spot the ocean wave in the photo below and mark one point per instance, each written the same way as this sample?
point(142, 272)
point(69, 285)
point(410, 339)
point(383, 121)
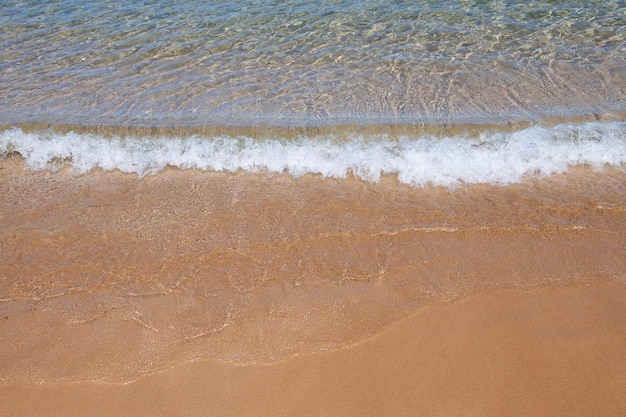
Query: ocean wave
point(490, 157)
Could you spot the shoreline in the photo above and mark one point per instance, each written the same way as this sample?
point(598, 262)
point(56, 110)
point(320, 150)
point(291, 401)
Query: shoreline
point(469, 126)
point(251, 294)
point(386, 208)
point(453, 159)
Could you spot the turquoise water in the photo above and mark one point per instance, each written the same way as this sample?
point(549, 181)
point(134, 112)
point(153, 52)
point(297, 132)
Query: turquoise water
point(258, 79)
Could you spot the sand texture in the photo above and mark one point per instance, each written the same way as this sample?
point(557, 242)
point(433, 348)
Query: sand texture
point(213, 294)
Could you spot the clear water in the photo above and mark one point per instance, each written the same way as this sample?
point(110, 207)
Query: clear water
point(309, 63)
point(330, 87)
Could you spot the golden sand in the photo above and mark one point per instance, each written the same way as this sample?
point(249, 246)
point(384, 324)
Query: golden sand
point(211, 294)
point(544, 353)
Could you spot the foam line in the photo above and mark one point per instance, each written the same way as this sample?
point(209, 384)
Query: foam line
point(492, 157)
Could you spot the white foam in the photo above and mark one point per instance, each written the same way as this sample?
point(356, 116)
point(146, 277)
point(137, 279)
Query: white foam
point(497, 158)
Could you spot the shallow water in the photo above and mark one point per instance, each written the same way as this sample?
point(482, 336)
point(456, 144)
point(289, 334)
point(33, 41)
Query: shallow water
point(490, 156)
point(300, 63)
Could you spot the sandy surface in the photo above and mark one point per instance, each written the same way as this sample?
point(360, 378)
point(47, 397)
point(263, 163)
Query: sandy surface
point(212, 294)
point(545, 353)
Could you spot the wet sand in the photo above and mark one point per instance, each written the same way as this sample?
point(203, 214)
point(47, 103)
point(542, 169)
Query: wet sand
point(189, 293)
point(544, 353)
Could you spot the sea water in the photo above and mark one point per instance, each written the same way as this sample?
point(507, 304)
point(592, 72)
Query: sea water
point(497, 158)
point(328, 87)
point(303, 64)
